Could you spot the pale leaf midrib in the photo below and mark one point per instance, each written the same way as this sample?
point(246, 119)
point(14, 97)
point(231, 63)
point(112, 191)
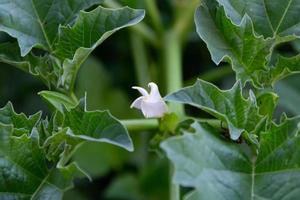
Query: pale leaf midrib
point(41, 26)
point(283, 16)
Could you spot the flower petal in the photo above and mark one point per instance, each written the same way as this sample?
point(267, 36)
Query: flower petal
point(141, 90)
point(154, 92)
point(153, 109)
point(137, 103)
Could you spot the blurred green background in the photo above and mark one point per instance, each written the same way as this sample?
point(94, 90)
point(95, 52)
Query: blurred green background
point(130, 58)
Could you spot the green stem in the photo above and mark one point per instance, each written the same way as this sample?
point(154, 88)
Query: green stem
point(184, 19)
point(173, 74)
point(142, 29)
point(153, 13)
point(147, 33)
point(140, 124)
point(140, 59)
point(152, 124)
point(212, 75)
point(173, 68)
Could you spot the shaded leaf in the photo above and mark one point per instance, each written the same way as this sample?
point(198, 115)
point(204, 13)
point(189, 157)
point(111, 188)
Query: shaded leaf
point(221, 170)
point(25, 174)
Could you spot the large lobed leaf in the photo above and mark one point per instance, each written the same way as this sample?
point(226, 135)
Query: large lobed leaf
point(63, 30)
point(230, 106)
point(83, 125)
point(25, 172)
point(219, 169)
point(35, 23)
point(271, 18)
point(237, 44)
point(34, 153)
point(245, 34)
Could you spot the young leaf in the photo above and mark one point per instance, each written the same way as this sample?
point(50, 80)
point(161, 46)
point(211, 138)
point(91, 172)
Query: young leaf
point(284, 67)
point(230, 106)
point(25, 174)
point(221, 170)
point(58, 100)
point(21, 123)
point(236, 44)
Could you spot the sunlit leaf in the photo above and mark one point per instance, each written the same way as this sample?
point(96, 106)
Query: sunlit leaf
point(270, 17)
point(227, 105)
point(237, 44)
point(56, 37)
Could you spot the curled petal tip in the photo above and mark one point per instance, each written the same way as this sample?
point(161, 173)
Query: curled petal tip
point(151, 104)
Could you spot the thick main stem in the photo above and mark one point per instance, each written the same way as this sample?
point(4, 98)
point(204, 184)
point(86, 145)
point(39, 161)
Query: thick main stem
point(173, 68)
point(173, 75)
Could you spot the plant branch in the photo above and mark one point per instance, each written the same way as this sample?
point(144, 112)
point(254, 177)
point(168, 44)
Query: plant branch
point(185, 18)
point(142, 29)
point(173, 68)
point(140, 59)
point(140, 124)
point(154, 15)
point(173, 77)
point(212, 75)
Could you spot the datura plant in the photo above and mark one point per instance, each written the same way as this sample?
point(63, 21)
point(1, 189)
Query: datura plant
point(246, 153)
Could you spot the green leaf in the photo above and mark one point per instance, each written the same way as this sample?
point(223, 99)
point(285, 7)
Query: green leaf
point(65, 33)
point(83, 125)
point(36, 23)
point(25, 173)
point(267, 102)
point(218, 169)
point(58, 100)
point(90, 30)
point(97, 126)
point(21, 123)
point(237, 44)
point(285, 67)
point(44, 67)
point(270, 17)
point(240, 114)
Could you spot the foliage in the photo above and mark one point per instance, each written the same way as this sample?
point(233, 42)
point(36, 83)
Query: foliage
point(226, 144)
point(54, 38)
point(261, 157)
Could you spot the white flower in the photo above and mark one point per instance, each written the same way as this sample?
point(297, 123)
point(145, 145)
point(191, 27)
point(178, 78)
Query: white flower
point(152, 105)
